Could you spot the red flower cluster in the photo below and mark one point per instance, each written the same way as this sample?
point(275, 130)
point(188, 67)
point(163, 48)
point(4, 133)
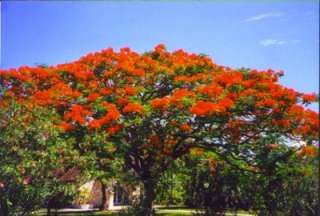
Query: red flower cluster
point(66, 126)
point(93, 96)
point(114, 129)
point(213, 90)
point(186, 128)
point(95, 90)
point(77, 114)
point(130, 90)
point(112, 115)
point(309, 98)
point(203, 108)
point(160, 103)
point(310, 151)
point(133, 108)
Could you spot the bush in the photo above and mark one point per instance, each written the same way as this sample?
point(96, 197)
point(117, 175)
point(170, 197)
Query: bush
point(31, 151)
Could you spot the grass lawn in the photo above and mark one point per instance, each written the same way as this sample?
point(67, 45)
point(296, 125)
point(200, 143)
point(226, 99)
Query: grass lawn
point(160, 212)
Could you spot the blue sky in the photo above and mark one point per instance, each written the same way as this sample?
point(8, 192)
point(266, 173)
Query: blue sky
point(280, 36)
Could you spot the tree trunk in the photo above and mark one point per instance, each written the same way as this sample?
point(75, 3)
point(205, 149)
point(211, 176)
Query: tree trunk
point(149, 194)
point(105, 201)
point(3, 206)
point(48, 211)
point(50, 205)
point(3, 209)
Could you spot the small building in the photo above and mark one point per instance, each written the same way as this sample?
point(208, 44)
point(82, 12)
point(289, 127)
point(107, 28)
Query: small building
point(116, 195)
point(93, 194)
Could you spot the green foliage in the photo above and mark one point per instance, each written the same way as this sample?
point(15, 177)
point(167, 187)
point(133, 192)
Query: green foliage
point(291, 190)
point(280, 186)
point(31, 153)
point(171, 187)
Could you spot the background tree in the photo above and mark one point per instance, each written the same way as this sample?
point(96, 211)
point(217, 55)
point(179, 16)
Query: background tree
point(172, 185)
point(282, 186)
point(285, 185)
point(157, 106)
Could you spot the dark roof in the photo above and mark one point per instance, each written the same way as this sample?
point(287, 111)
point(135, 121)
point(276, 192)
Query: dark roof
point(69, 175)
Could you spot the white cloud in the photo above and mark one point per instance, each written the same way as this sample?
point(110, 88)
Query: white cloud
point(296, 41)
point(271, 42)
point(263, 16)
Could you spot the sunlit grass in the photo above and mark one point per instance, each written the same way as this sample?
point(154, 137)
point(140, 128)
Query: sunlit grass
point(160, 212)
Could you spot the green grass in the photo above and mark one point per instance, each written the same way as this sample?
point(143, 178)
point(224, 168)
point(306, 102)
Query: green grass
point(160, 212)
point(108, 213)
point(175, 212)
point(95, 213)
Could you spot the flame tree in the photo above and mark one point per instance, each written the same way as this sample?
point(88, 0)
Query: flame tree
point(155, 107)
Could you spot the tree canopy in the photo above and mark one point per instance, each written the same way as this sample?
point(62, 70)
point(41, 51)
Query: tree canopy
point(155, 107)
